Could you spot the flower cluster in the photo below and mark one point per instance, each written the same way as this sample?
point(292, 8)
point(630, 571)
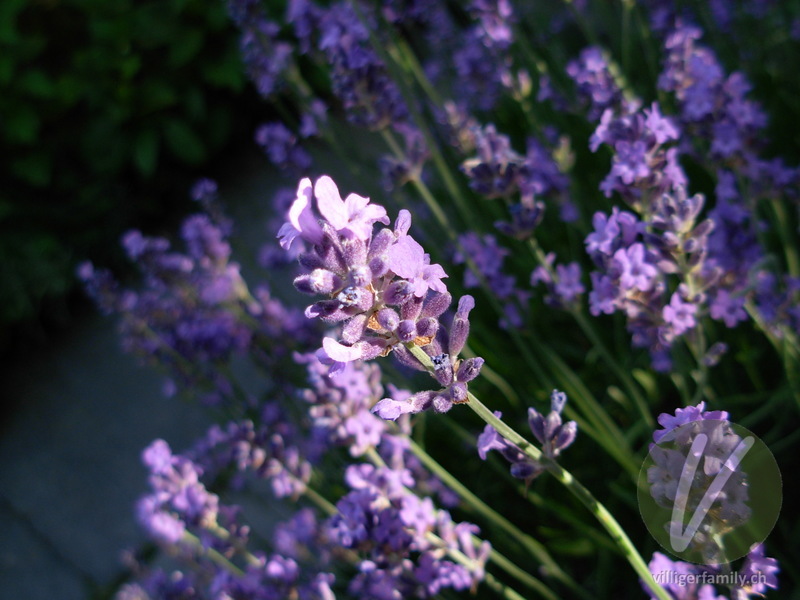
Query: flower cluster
point(385, 523)
point(382, 287)
point(550, 430)
point(642, 168)
point(686, 581)
point(486, 258)
point(674, 443)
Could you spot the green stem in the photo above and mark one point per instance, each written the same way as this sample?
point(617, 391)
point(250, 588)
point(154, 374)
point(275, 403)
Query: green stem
point(523, 576)
point(212, 554)
point(787, 238)
point(501, 588)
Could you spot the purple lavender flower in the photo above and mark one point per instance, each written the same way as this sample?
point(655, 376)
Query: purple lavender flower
point(549, 430)
point(563, 282)
point(408, 260)
point(281, 147)
point(636, 271)
point(680, 315)
point(359, 77)
point(641, 162)
point(487, 256)
point(496, 18)
point(496, 171)
point(686, 415)
point(596, 86)
point(353, 217)
point(728, 308)
point(383, 289)
point(759, 572)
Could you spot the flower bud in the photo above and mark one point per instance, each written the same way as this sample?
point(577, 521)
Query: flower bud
point(398, 293)
point(388, 319)
point(436, 304)
point(469, 369)
point(427, 328)
point(442, 404)
point(319, 281)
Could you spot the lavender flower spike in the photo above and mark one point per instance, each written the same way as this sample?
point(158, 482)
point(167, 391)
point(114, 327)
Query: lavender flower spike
point(549, 429)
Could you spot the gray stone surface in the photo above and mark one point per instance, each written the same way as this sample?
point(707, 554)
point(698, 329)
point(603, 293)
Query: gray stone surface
point(70, 471)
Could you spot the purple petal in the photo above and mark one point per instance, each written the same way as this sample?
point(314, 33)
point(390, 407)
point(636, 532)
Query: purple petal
point(301, 216)
point(406, 257)
point(339, 352)
point(391, 409)
point(330, 203)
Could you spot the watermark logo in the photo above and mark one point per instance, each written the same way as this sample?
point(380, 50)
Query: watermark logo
point(709, 490)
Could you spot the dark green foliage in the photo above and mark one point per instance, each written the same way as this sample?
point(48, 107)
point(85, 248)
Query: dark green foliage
point(105, 106)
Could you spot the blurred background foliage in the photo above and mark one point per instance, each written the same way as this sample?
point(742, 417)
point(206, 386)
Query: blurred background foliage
point(108, 110)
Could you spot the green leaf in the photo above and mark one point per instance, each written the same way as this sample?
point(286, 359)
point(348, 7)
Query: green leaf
point(647, 381)
point(226, 72)
point(8, 19)
point(145, 151)
point(183, 142)
point(36, 83)
point(33, 168)
point(7, 65)
point(185, 48)
point(22, 125)
point(157, 95)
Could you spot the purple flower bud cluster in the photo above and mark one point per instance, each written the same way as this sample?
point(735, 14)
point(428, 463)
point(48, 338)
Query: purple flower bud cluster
point(451, 372)
point(178, 500)
point(403, 542)
point(597, 88)
point(264, 55)
point(499, 172)
point(687, 581)
point(563, 282)
point(642, 167)
point(552, 433)
point(673, 445)
point(340, 406)
point(193, 313)
point(190, 316)
point(713, 106)
point(182, 514)
point(634, 260)
point(274, 450)
point(380, 286)
point(496, 20)
point(495, 171)
point(281, 147)
point(402, 545)
point(486, 257)
point(359, 77)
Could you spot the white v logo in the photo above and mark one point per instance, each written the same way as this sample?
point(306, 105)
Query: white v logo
point(678, 538)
